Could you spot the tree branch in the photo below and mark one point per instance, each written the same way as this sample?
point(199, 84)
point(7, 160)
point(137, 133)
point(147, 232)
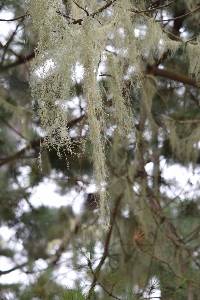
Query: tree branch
point(106, 247)
point(172, 76)
point(12, 269)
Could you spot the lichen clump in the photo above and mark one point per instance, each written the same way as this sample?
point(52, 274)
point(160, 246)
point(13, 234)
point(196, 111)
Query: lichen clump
point(115, 34)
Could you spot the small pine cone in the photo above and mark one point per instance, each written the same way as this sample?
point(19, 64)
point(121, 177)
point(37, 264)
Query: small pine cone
point(139, 237)
point(140, 240)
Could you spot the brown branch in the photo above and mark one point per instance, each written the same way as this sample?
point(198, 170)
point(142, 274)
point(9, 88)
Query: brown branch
point(172, 76)
point(33, 144)
point(106, 247)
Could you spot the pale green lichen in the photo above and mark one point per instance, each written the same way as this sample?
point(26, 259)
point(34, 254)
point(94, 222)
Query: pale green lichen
point(70, 34)
point(192, 4)
point(186, 143)
point(193, 52)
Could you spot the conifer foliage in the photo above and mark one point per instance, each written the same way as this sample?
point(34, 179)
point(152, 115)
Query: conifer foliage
point(104, 94)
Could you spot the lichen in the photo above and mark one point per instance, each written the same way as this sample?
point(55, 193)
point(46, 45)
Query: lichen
point(83, 33)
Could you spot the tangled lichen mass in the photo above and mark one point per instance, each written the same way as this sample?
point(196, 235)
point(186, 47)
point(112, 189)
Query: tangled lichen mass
point(126, 39)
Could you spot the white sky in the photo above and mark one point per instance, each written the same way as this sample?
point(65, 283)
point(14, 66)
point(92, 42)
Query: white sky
point(6, 27)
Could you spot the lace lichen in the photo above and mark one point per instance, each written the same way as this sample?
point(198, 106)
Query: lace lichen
point(193, 52)
point(83, 32)
point(186, 143)
point(92, 50)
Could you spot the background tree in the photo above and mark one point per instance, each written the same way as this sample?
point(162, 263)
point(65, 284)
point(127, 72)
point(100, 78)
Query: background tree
point(103, 92)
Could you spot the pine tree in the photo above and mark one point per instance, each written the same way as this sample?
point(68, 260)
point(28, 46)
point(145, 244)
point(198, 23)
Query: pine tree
point(103, 92)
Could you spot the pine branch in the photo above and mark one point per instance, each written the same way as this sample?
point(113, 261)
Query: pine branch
point(106, 248)
point(172, 76)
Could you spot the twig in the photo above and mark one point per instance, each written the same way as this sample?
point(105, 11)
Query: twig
point(82, 8)
point(13, 269)
point(99, 283)
point(9, 41)
point(101, 9)
point(106, 247)
point(14, 19)
point(92, 15)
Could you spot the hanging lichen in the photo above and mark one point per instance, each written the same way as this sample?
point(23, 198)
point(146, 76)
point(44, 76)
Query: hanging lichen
point(192, 4)
point(184, 138)
point(193, 52)
point(92, 51)
point(87, 33)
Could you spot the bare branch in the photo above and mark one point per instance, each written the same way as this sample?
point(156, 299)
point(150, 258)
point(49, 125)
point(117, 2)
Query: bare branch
point(106, 247)
point(14, 19)
point(17, 267)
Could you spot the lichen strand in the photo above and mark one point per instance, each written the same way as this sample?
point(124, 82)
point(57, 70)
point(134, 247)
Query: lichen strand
point(121, 107)
point(151, 41)
point(92, 50)
point(193, 52)
point(47, 23)
point(185, 146)
point(49, 86)
point(192, 3)
point(148, 92)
